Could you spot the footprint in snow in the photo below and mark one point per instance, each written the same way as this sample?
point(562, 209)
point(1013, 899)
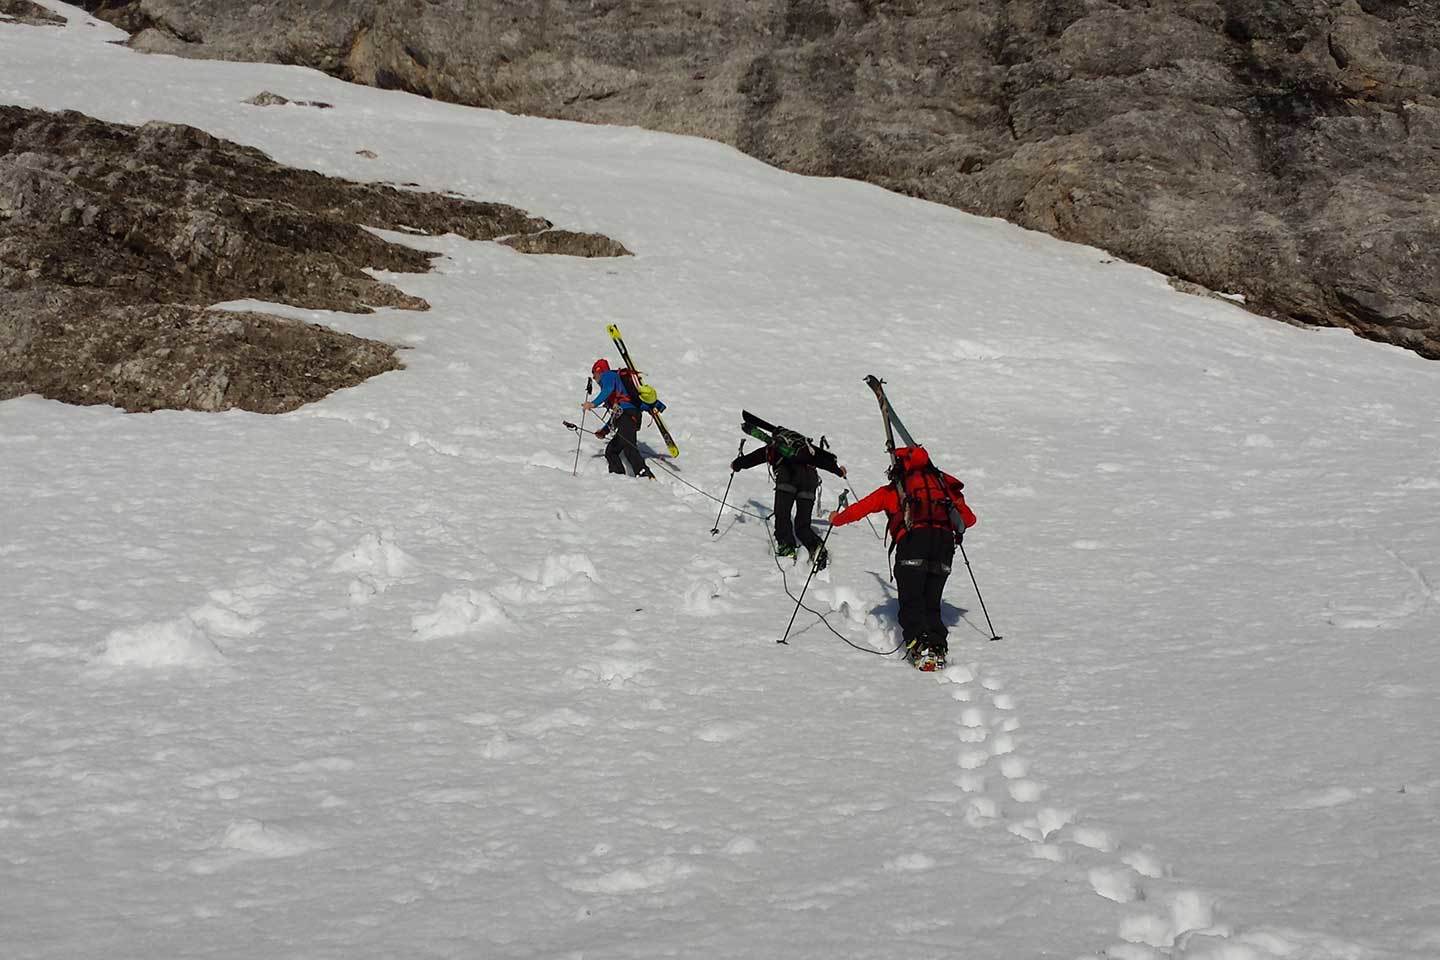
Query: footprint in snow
point(247, 840)
point(970, 759)
point(909, 862)
point(702, 598)
point(613, 672)
point(416, 439)
point(1014, 768)
point(1115, 883)
point(1096, 838)
point(741, 846)
point(721, 732)
point(1158, 922)
point(656, 873)
point(1026, 791)
point(377, 563)
point(173, 643)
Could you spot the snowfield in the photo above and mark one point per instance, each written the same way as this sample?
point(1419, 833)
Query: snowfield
point(380, 678)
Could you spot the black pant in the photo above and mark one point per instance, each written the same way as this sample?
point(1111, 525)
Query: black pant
point(802, 503)
point(922, 565)
point(795, 486)
point(623, 442)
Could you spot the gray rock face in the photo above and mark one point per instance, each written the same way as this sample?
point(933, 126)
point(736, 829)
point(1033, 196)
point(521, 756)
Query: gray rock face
point(24, 11)
point(114, 239)
point(1283, 149)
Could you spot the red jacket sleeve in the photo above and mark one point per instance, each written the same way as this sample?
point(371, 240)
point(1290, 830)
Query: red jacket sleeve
point(881, 498)
point(966, 514)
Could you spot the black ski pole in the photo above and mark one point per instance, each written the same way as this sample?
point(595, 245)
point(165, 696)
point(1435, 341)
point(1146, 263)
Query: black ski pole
point(589, 385)
point(716, 529)
point(801, 599)
point(993, 634)
point(579, 436)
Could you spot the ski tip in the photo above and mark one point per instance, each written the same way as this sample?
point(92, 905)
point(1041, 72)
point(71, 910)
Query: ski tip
point(675, 452)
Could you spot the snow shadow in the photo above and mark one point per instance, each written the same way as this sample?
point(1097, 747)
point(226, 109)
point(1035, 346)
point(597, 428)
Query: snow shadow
point(889, 608)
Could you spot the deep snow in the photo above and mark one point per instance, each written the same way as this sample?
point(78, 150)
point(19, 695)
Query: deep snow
point(380, 678)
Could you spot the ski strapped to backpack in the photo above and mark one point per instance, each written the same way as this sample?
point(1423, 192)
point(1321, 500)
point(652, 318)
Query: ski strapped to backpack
point(915, 509)
point(640, 390)
point(789, 444)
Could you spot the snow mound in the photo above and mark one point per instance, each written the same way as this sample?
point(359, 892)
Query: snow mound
point(173, 643)
point(657, 873)
point(265, 840)
point(702, 598)
point(456, 613)
point(560, 568)
point(376, 555)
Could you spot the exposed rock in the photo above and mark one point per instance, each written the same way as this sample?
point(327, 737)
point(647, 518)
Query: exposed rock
point(113, 239)
point(81, 348)
point(32, 14)
point(1288, 150)
point(568, 243)
point(267, 99)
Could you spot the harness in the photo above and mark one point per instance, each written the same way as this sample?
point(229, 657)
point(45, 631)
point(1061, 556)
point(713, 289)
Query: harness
point(799, 494)
point(784, 446)
point(929, 566)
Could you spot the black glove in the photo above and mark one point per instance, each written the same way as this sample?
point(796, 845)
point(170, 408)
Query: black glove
point(960, 533)
point(735, 465)
point(602, 432)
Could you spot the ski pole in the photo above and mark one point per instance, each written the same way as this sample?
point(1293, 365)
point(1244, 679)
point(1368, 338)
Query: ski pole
point(716, 529)
point(589, 384)
point(579, 436)
point(868, 521)
point(993, 634)
point(786, 638)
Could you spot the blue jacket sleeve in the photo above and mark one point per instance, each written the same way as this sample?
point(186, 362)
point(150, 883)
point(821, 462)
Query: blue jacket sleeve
point(609, 380)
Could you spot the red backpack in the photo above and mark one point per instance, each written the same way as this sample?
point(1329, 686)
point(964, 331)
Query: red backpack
point(927, 501)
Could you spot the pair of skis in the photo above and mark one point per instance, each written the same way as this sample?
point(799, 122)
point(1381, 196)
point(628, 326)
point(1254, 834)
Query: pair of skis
point(807, 450)
point(614, 332)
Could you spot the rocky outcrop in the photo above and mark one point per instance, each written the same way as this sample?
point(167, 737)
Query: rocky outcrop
point(1285, 150)
point(32, 14)
point(115, 239)
point(567, 243)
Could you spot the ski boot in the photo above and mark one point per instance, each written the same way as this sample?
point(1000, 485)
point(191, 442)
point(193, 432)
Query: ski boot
point(785, 550)
point(925, 655)
point(820, 558)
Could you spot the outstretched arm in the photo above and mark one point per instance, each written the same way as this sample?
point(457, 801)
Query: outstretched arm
point(877, 500)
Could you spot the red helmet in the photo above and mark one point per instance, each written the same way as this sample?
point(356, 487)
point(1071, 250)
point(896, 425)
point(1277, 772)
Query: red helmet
point(913, 458)
point(599, 366)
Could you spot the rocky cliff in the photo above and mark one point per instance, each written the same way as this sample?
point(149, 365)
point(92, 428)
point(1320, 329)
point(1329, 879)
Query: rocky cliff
point(1287, 150)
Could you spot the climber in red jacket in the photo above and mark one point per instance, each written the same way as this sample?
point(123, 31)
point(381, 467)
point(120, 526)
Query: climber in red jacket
point(925, 523)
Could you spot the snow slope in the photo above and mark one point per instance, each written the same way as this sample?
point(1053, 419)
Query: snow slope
point(380, 678)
